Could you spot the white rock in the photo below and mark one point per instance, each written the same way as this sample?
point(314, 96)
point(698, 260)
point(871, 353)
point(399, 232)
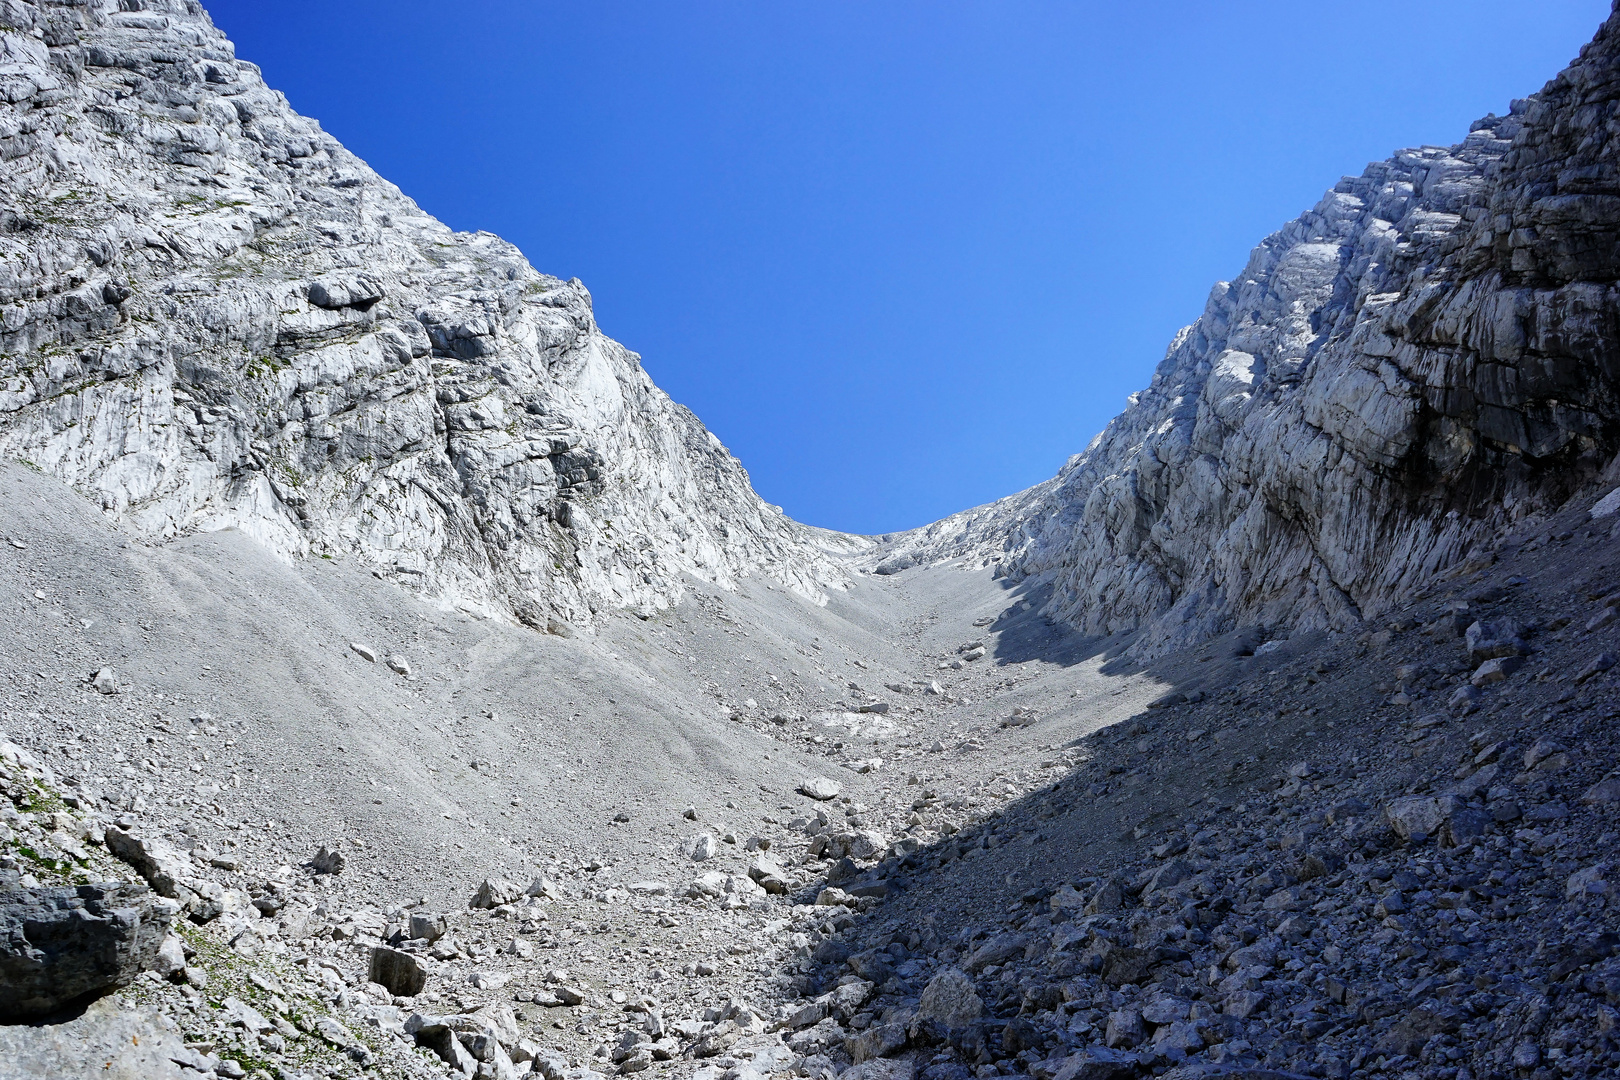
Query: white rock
point(821, 788)
point(701, 847)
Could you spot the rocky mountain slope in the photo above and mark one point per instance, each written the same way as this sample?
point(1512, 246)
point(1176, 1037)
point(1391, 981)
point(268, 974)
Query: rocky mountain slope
point(1083, 792)
point(215, 316)
point(1425, 357)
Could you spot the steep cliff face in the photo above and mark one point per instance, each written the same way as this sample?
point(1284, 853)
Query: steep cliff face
point(212, 315)
point(1430, 354)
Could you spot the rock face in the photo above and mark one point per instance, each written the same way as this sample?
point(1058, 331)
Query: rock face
point(59, 944)
point(1425, 357)
point(212, 316)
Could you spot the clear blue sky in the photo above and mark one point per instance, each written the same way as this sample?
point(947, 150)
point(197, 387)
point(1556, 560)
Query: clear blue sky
point(903, 257)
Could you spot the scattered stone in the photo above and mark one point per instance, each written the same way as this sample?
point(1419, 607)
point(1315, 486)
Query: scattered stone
point(1599, 664)
point(820, 788)
point(328, 861)
point(1496, 670)
point(156, 860)
point(950, 1001)
point(700, 848)
point(364, 652)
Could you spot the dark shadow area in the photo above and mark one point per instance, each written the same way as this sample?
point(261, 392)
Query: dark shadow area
point(1023, 632)
point(65, 1013)
point(1286, 872)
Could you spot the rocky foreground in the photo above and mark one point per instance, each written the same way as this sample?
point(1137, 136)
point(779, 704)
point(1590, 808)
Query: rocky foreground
point(1317, 856)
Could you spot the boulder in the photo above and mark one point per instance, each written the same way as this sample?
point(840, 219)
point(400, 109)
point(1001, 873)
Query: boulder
point(820, 788)
point(950, 1001)
point(1495, 638)
point(1098, 1063)
point(426, 927)
point(1415, 816)
point(399, 972)
point(60, 944)
point(997, 950)
point(494, 892)
point(328, 861)
point(156, 860)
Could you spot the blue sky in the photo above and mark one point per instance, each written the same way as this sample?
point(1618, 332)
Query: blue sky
point(902, 257)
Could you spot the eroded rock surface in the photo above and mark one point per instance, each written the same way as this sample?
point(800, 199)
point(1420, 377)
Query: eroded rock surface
point(60, 944)
point(1426, 356)
point(212, 315)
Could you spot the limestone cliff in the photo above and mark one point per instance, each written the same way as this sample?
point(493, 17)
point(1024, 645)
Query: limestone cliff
point(1428, 355)
point(212, 315)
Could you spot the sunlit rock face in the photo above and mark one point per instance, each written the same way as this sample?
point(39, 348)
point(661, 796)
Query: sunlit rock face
point(212, 315)
point(1429, 353)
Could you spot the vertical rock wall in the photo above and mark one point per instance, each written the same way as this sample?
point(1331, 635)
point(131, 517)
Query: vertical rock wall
point(1429, 354)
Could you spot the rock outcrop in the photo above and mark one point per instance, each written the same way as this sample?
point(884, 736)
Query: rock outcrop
point(1428, 355)
point(213, 316)
point(61, 944)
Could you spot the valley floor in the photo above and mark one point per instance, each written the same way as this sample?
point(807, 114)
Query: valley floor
point(919, 830)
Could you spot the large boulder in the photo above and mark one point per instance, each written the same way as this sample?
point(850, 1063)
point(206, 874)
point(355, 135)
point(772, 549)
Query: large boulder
point(108, 1042)
point(950, 1001)
point(162, 864)
point(401, 973)
point(61, 944)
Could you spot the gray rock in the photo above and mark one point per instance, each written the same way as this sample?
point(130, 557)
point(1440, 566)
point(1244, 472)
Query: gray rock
point(700, 848)
point(401, 973)
point(60, 944)
point(328, 861)
point(1598, 665)
point(116, 1043)
point(1125, 1029)
point(769, 874)
point(903, 1068)
point(1497, 638)
point(950, 1000)
point(158, 861)
point(1603, 792)
point(1415, 816)
point(1109, 897)
point(494, 892)
point(820, 787)
point(1098, 1063)
point(426, 927)
point(998, 950)
point(1496, 670)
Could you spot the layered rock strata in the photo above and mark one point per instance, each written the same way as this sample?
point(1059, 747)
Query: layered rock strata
point(1426, 356)
point(212, 315)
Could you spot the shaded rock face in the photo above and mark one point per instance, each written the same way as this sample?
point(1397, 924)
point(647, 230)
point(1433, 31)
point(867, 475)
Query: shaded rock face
point(59, 944)
point(214, 316)
point(1429, 354)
